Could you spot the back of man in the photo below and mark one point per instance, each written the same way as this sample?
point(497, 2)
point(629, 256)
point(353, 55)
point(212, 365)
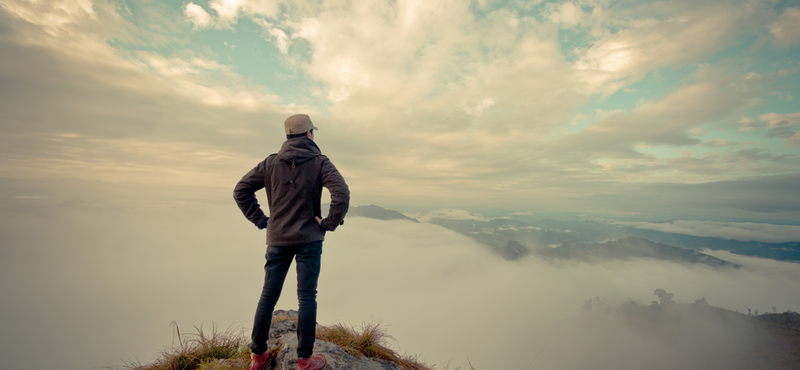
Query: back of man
point(293, 179)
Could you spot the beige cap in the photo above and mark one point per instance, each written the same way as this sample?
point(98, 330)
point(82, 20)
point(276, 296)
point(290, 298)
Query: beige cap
point(298, 124)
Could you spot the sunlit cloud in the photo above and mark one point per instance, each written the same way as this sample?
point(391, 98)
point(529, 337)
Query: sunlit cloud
point(651, 42)
point(72, 156)
point(567, 14)
point(209, 82)
point(197, 15)
point(227, 12)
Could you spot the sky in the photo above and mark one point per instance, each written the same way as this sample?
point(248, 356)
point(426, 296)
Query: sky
point(683, 109)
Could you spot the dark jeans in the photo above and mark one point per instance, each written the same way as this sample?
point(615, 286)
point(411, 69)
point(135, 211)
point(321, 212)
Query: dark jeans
point(279, 259)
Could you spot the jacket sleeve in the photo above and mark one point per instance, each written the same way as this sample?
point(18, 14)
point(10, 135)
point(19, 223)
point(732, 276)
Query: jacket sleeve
point(245, 194)
point(340, 195)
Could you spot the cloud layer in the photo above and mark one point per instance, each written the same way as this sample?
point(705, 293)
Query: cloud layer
point(106, 269)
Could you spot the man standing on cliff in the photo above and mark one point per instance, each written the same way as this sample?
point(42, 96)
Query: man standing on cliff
point(293, 178)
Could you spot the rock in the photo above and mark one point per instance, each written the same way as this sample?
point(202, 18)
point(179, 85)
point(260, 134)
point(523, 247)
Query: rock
point(283, 345)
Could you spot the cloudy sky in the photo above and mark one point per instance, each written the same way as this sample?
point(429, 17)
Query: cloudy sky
point(671, 107)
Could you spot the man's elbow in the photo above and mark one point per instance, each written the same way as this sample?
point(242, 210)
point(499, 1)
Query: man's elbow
point(342, 196)
point(241, 196)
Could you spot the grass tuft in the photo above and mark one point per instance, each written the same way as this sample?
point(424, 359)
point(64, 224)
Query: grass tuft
point(202, 352)
point(370, 342)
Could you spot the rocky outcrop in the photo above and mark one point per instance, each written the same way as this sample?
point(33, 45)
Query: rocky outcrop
point(283, 346)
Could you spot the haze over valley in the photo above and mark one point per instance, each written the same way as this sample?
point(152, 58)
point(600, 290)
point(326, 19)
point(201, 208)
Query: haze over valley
point(117, 279)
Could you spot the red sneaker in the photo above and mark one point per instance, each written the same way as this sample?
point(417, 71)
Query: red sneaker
point(257, 362)
point(316, 362)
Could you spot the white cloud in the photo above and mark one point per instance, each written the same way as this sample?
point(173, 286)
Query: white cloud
point(653, 41)
point(281, 40)
point(784, 126)
point(76, 28)
point(209, 82)
point(567, 14)
point(744, 231)
point(197, 15)
point(428, 59)
point(775, 120)
point(228, 12)
point(664, 122)
point(278, 35)
point(55, 14)
point(786, 28)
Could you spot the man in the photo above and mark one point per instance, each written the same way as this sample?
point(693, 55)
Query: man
point(293, 179)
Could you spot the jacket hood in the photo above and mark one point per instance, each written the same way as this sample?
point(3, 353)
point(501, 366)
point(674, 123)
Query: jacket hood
point(298, 150)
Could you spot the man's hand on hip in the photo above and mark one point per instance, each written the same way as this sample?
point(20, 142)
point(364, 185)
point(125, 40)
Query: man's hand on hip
point(321, 223)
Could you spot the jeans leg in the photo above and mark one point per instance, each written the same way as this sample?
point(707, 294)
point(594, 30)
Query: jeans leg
point(308, 265)
point(279, 259)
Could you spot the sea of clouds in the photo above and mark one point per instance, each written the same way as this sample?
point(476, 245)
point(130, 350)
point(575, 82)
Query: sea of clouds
point(98, 283)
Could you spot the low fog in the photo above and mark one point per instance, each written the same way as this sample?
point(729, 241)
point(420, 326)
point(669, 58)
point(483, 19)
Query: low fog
point(97, 283)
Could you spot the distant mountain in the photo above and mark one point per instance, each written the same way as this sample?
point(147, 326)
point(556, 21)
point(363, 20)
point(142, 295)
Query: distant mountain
point(511, 239)
point(373, 211)
point(596, 232)
point(632, 247)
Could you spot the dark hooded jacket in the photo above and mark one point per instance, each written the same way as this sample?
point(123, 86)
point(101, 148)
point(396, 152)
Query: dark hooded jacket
point(294, 178)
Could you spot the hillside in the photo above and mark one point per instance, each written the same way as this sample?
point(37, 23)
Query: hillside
point(514, 239)
point(596, 232)
point(632, 247)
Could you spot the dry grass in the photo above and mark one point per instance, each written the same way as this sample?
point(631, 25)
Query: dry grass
point(369, 341)
point(229, 350)
point(202, 352)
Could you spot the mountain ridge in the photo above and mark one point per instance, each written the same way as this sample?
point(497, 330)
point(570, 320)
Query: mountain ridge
point(632, 247)
point(514, 239)
point(378, 213)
